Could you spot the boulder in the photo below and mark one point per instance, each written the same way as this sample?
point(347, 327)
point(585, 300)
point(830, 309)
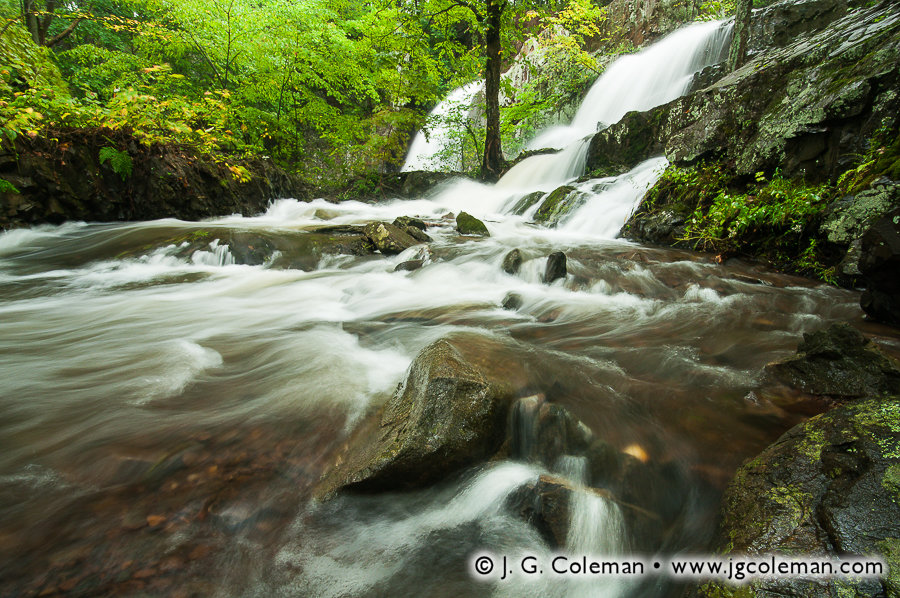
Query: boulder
point(879, 264)
point(389, 239)
point(561, 202)
point(512, 301)
point(546, 504)
point(409, 265)
point(512, 261)
point(827, 487)
point(839, 362)
point(556, 267)
point(450, 413)
point(404, 221)
point(466, 224)
point(526, 202)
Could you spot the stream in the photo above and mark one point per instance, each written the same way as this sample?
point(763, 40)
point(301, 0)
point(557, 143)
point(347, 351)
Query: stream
point(172, 391)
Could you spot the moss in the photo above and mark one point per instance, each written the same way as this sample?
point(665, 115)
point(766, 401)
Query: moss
point(890, 550)
point(559, 203)
point(891, 480)
point(716, 589)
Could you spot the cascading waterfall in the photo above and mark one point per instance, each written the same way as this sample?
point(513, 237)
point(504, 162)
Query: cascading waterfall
point(424, 152)
point(654, 76)
point(173, 390)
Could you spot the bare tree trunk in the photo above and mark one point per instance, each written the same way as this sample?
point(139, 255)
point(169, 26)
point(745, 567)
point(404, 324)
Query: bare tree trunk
point(492, 164)
point(737, 55)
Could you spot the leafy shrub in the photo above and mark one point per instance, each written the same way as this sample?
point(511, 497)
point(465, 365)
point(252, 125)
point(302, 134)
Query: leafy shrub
point(119, 161)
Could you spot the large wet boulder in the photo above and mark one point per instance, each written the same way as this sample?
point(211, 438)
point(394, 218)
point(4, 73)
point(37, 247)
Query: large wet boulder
point(389, 239)
point(450, 413)
point(879, 264)
point(526, 202)
point(561, 202)
point(839, 362)
point(827, 487)
point(512, 261)
point(466, 224)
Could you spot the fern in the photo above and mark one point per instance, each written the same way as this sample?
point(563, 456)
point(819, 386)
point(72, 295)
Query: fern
point(120, 162)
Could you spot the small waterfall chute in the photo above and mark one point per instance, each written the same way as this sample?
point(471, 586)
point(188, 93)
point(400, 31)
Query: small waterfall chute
point(429, 151)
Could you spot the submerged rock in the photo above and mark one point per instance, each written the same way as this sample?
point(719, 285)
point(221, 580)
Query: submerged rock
point(466, 224)
point(838, 362)
point(546, 504)
point(512, 301)
point(827, 487)
point(556, 267)
point(449, 413)
point(512, 261)
point(879, 264)
point(389, 239)
point(409, 265)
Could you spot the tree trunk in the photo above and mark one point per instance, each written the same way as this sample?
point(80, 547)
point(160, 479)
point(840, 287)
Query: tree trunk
point(737, 55)
point(492, 164)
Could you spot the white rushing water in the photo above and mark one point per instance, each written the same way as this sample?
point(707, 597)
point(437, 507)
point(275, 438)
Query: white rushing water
point(202, 374)
point(425, 151)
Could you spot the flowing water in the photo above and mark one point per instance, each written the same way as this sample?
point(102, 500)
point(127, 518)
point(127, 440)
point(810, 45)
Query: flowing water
point(172, 391)
point(427, 149)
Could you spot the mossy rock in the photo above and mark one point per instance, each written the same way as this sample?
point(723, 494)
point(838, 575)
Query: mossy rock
point(466, 224)
point(827, 487)
point(560, 203)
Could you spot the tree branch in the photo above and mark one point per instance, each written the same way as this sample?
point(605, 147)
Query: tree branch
point(65, 33)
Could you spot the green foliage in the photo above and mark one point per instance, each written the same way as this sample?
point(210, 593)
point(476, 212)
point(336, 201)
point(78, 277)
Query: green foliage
point(7, 187)
point(119, 161)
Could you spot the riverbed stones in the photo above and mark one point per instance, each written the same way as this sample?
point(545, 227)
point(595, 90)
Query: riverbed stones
point(389, 239)
point(556, 267)
point(838, 362)
point(414, 227)
point(450, 413)
point(827, 487)
point(466, 224)
point(512, 261)
point(512, 301)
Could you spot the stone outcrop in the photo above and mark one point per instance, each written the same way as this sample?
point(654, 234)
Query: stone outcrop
point(450, 413)
point(63, 179)
point(879, 264)
point(804, 108)
point(828, 487)
point(838, 362)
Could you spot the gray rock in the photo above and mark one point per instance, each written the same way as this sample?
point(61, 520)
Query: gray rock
point(556, 267)
point(526, 202)
point(450, 413)
point(512, 261)
point(827, 487)
point(409, 266)
point(838, 362)
point(512, 301)
point(389, 239)
point(879, 263)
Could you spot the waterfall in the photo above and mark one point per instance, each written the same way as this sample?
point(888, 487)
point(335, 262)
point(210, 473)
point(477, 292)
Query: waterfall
point(425, 151)
point(654, 76)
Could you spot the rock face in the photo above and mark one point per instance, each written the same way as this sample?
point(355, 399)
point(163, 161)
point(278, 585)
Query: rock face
point(803, 108)
point(839, 362)
point(389, 239)
point(63, 179)
point(466, 224)
point(449, 413)
point(879, 265)
point(829, 486)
